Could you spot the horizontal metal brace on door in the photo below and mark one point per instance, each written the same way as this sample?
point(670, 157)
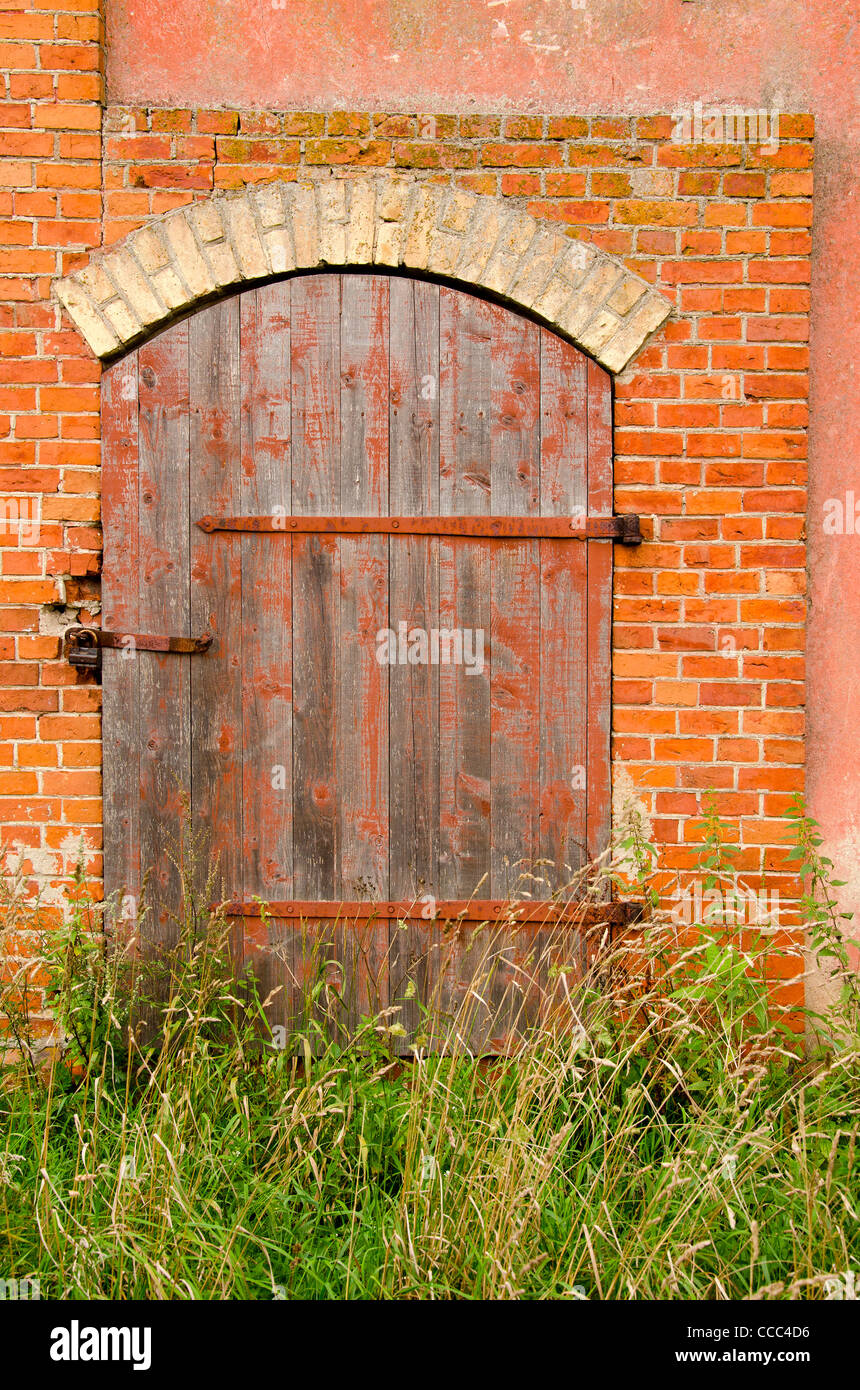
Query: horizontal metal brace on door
point(535, 913)
point(591, 528)
point(83, 646)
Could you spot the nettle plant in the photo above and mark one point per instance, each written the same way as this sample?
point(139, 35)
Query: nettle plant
point(728, 965)
point(723, 957)
point(823, 919)
point(710, 961)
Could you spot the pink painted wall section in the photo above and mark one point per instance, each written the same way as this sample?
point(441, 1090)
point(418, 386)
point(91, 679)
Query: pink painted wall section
point(589, 56)
point(600, 55)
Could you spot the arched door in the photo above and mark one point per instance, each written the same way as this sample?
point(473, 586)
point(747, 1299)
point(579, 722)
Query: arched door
point(375, 494)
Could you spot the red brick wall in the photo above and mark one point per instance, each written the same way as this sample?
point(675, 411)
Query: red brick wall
point(50, 213)
point(710, 418)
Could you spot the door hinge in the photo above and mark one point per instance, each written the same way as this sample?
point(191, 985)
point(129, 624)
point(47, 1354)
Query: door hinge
point(82, 646)
point(531, 911)
point(578, 528)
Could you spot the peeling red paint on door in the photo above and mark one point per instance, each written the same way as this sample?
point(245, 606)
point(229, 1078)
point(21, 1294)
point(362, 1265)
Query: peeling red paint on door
point(299, 736)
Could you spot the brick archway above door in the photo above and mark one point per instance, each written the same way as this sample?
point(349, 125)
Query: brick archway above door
point(181, 259)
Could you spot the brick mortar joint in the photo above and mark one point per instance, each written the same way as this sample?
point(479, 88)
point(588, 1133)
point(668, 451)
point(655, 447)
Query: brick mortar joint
point(590, 117)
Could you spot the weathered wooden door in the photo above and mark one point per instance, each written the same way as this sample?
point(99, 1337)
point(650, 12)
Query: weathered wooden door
point(335, 750)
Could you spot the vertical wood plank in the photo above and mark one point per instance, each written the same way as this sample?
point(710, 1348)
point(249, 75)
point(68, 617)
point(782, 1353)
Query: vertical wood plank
point(599, 614)
point(465, 371)
point(465, 750)
point(315, 370)
point(265, 488)
point(414, 491)
point(515, 609)
point(362, 734)
point(414, 600)
point(216, 586)
point(164, 681)
point(564, 655)
point(120, 710)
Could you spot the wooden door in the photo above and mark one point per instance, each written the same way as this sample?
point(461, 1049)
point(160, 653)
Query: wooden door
point(332, 754)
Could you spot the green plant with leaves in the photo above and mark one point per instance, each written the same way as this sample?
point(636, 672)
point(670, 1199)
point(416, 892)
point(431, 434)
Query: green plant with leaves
point(82, 987)
point(635, 859)
point(727, 967)
point(823, 919)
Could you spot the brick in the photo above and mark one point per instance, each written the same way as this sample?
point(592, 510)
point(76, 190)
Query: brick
point(67, 116)
point(305, 235)
point(187, 255)
point(367, 152)
point(394, 126)
point(237, 176)
point(611, 185)
point(592, 210)
point(711, 272)
point(303, 123)
point(521, 156)
point(101, 338)
point(220, 123)
point(245, 239)
point(787, 214)
point(348, 123)
point(184, 176)
point(173, 120)
point(417, 155)
point(259, 123)
point(22, 56)
point(134, 286)
point(522, 185)
point(523, 128)
point(641, 211)
point(272, 152)
point(610, 127)
point(479, 127)
point(646, 316)
point(419, 220)
point(699, 182)
point(688, 750)
point(566, 127)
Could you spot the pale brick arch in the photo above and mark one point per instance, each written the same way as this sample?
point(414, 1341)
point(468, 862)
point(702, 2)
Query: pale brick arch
point(180, 258)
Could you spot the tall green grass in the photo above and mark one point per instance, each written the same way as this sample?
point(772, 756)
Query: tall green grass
point(654, 1132)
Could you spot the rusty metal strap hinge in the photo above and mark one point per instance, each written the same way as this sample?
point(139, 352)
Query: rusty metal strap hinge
point(531, 912)
point(83, 646)
point(578, 528)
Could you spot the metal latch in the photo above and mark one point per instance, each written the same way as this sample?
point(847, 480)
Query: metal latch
point(83, 646)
